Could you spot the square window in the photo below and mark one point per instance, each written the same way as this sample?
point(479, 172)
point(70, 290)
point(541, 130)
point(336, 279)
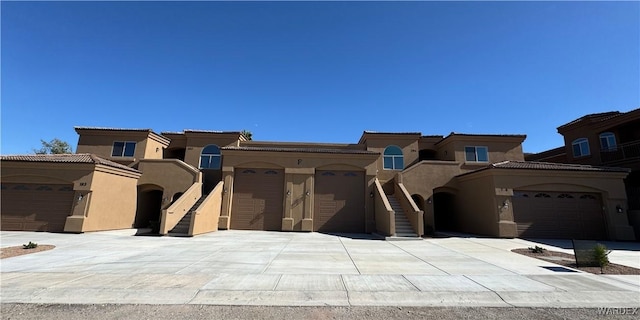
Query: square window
point(483, 154)
point(118, 147)
point(129, 149)
point(470, 153)
point(123, 149)
point(476, 154)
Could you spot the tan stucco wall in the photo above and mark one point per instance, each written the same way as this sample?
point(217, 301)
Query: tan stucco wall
point(299, 170)
point(426, 176)
point(410, 151)
point(108, 194)
point(171, 174)
point(206, 217)
point(197, 141)
point(477, 206)
point(113, 200)
point(610, 185)
point(487, 189)
point(101, 143)
point(500, 149)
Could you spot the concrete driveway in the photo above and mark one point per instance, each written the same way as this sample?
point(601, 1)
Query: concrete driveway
point(302, 269)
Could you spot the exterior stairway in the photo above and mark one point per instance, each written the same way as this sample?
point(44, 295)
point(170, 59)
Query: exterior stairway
point(403, 226)
point(182, 228)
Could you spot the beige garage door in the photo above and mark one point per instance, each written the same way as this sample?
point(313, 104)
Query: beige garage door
point(36, 207)
point(257, 199)
point(339, 201)
point(559, 215)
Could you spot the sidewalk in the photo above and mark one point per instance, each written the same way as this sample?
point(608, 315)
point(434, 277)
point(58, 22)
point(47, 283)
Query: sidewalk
point(301, 269)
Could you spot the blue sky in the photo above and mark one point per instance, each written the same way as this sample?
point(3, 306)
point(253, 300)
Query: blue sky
point(314, 71)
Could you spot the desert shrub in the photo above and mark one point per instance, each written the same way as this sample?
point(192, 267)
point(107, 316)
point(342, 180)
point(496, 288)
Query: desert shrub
point(537, 249)
point(30, 245)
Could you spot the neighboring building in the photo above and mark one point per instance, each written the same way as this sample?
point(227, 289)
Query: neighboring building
point(402, 184)
point(604, 139)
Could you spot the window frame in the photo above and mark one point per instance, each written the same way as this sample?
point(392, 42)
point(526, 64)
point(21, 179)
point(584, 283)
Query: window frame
point(393, 158)
point(210, 157)
point(475, 153)
point(608, 137)
point(580, 142)
point(123, 154)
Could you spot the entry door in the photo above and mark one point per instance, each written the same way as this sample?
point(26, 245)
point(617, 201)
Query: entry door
point(299, 199)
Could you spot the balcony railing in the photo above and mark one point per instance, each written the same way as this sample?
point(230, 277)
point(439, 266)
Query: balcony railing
point(621, 152)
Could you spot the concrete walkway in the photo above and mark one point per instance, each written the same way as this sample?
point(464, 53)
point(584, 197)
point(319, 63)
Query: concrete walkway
point(302, 269)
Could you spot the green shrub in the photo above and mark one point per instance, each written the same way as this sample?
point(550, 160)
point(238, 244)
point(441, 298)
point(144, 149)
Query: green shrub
point(30, 245)
point(537, 249)
point(601, 255)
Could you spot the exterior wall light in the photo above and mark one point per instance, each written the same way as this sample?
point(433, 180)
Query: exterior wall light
point(288, 192)
point(371, 194)
point(619, 209)
point(429, 201)
point(80, 197)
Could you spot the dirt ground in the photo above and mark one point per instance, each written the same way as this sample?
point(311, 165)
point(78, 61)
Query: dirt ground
point(171, 312)
point(568, 260)
point(9, 252)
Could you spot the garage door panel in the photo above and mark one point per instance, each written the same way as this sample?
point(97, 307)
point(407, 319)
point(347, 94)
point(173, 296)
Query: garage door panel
point(36, 207)
point(558, 215)
point(257, 199)
point(339, 201)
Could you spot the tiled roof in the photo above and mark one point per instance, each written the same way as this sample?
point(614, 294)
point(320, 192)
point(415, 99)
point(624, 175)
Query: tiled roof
point(593, 117)
point(545, 154)
point(455, 134)
point(307, 150)
point(395, 133)
point(113, 129)
point(534, 165)
point(66, 158)
point(211, 131)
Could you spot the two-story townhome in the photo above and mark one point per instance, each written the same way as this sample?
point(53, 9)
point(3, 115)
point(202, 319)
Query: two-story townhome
point(394, 184)
point(604, 139)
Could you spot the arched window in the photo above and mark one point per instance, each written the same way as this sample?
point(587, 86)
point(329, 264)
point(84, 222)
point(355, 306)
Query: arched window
point(607, 141)
point(392, 158)
point(210, 157)
point(580, 147)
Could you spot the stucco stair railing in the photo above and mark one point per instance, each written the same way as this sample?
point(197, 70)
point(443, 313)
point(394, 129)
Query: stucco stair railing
point(172, 215)
point(404, 229)
point(182, 228)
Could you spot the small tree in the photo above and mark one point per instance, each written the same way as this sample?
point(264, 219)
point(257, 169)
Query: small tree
point(247, 134)
point(55, 146)
point(601, 254)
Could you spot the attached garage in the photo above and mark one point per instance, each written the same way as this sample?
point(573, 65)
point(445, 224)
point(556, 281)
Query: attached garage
point(36, 207)
point(567, 215)
point(257, 199)
point(339, 201)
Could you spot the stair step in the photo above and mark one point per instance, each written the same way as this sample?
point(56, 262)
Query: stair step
point(182, 227)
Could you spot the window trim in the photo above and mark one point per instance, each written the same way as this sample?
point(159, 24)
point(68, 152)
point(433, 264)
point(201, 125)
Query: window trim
point(210, 156)
point(475, 152)
point(393, 158)
point(124, 148)
point(607, 136)
point(580, 142)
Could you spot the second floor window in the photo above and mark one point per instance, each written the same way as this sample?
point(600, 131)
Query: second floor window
point(607, 141)
point(210, 157)
point(580, 147)
point(123, 149)
point(476, 154)
point(392, 158)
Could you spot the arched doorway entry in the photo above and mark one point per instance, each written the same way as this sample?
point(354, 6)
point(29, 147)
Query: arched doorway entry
point(149, 206)
point(444, 211)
